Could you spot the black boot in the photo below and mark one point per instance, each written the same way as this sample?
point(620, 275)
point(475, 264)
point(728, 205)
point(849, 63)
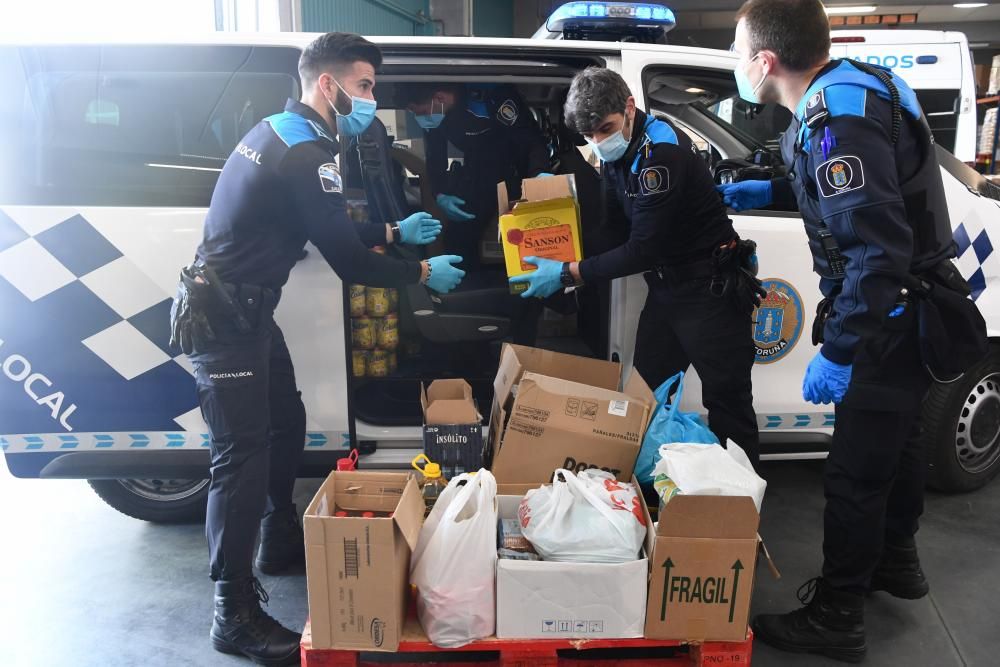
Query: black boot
point(281, 542)
point(241, 627)
point(831, 623)
point(899, 573)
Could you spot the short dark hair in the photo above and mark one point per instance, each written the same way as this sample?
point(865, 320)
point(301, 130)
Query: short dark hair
point(419, 93)
point(335, 50)
point(798, 31)
point(594, 93)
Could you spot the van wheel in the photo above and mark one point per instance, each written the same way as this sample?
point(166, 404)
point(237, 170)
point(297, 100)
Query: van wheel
point(156, 500)
point(962, 428)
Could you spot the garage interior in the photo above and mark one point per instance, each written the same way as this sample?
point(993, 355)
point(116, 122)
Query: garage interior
point(84, 585)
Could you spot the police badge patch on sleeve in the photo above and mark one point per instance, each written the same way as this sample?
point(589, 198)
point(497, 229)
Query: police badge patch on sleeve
point(329, 177)
point(839, 175)
point(507, 113)
point(653, 180)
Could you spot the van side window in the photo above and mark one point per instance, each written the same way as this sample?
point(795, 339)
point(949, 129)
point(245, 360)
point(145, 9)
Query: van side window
point(131, 125)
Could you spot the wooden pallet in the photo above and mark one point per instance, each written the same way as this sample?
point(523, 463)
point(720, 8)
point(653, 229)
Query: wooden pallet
point(415, 649)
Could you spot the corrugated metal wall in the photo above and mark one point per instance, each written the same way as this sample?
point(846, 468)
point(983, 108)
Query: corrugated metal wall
point(493, 18)
point(366, 17)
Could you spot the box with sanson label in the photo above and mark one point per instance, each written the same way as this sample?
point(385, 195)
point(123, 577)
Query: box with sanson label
point(545, 222)
point(553, 410)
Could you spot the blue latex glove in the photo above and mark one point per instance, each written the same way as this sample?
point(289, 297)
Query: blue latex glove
point(746, 194)
point(444, 277)
point(543, 281)
point(419, 229)
point(825, 381)
point(450, 204)
point(544, 173)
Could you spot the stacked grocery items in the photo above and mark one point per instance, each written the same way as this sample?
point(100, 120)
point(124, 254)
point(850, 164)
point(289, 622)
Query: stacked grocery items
point(374, 330)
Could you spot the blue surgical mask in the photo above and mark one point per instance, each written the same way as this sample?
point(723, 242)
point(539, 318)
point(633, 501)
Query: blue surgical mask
point(361, 115)
point(611, 148)
point(747, 90)
point(430, 120)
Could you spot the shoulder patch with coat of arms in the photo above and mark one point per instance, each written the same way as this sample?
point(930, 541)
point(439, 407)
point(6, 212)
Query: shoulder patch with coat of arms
point(839, 175)
point(329, 178)
point(654, 180)
point(507, 112)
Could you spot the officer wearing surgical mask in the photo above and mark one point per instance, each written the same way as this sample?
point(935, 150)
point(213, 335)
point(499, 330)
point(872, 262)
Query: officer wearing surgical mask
point(701, 277)
point(500, 141)
point(863, 172)
point(280, 188)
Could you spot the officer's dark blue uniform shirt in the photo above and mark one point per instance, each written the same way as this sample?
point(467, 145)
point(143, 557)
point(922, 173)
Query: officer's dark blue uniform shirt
point(280, 188)
point(846, 177)
point(498, 137)
point(665, 194)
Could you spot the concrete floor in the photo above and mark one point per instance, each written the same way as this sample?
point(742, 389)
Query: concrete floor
point(83, 585)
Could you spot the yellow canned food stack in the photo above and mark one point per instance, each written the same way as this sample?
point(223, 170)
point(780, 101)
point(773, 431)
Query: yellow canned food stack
point(363, 333)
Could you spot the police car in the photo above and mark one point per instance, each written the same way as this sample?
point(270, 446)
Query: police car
point(110, 155)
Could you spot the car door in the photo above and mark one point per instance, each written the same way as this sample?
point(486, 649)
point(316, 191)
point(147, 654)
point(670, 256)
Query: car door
point(781, 326)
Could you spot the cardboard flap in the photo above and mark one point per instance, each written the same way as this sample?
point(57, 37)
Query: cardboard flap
point(726, 517)
point(767, 558)
point(374, 491)
point(409, 514)
point(596, 372)
point(503, 199)
point(449, 402)
point(548, 187)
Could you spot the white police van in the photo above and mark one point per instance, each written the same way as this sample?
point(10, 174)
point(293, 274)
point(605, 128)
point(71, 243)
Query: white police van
point(937, 65)
point(110, 153)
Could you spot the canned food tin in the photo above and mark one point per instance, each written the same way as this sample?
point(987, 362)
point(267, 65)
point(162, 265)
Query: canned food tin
point(360, 363)
point(357, 300)
point(393, 300)
point(393, 362)
point(387, 332)
point(378, 364)
point(376, 301)
point(363, 333)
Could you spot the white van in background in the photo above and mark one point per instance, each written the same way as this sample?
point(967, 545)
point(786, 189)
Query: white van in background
point(937, 65)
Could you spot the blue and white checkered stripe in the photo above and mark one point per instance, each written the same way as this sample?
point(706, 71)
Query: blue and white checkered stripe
point(977, 257)
point(51, 442)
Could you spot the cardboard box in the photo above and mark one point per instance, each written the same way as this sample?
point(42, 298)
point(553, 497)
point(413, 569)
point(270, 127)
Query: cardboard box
point(703, 567)
point(545, 222)
point(358, 569)
point(549, 600)
point(567, 413)
point(453, 430)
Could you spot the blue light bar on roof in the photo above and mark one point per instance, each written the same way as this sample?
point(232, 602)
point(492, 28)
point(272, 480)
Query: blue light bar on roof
point(595, 13)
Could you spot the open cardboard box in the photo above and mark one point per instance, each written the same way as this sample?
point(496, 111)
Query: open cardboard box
point(545, 222)
point(453, 431)
point(703, 566)
point(357, 569)
point(549, 600)
point(553, 410)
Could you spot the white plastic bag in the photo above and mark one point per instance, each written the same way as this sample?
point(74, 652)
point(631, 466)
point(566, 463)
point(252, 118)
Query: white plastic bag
point(710, 470)
point(454, 564)
point(592, 518)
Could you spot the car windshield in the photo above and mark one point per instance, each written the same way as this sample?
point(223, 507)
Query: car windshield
point(758, 127)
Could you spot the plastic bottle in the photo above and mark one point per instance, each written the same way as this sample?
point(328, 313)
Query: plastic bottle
point(349, 463)
point(432, 483)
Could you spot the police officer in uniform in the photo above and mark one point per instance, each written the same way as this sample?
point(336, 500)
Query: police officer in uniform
point(280, 188)
point(499, 140)
point(863, 171)
point(701, 285)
